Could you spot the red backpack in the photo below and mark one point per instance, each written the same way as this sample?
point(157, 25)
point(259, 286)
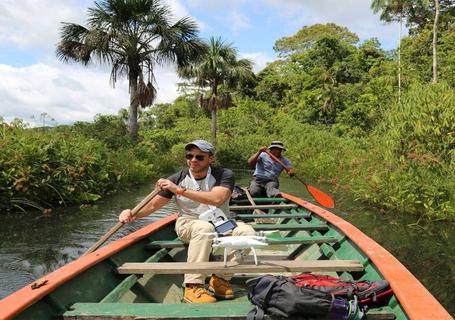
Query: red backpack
point(367, 292)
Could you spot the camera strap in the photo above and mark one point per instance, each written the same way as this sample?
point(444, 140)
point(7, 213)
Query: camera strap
point(206, 185)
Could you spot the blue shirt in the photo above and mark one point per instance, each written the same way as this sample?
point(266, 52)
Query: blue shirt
point(267, 169)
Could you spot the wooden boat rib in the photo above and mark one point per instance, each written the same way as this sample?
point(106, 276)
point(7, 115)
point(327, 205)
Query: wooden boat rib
point(100, 285)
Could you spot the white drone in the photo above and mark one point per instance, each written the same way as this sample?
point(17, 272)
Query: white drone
point(240, 242)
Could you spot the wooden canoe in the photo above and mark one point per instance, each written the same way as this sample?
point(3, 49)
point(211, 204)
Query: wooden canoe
point(140, 275)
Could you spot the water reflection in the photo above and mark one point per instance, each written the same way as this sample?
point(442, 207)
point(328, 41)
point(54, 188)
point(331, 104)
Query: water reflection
point(32, 246)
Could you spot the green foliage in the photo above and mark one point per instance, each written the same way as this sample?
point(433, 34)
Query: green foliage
point(446, 55)
point(244, 129)
point(333, 103)
point(328, 83)
point(109, 129)
point(46, 168)
point(419, 136)
point(306, 37)
point(416, 55)
point(164, 146)
point(274, 81)
point(165, 116)
point(421, 129)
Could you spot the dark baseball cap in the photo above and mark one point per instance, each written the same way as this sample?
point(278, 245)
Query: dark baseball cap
point(203, 145)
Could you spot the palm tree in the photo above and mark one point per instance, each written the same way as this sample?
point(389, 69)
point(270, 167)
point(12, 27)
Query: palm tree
point(133, 36)
point(218, 67)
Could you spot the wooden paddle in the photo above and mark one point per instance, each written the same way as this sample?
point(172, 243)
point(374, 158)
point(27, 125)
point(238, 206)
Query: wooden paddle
point(114, 229)
point(321, 197)
point(257, 211)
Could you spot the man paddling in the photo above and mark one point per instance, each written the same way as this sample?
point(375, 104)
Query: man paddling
point(267, 170)
point(197, 189)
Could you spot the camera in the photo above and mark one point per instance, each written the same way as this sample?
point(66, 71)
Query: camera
point(219, 220)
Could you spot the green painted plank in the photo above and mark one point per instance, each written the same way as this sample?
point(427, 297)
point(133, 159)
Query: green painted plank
point(328, 251)
point(260, 200)
point(158, 311)
point(301, 240)
point(290, 226)
point(117, 293)
point(123, 287)
point(169, 244)
point(380, 313)
point(277, 215)
point(263, 207)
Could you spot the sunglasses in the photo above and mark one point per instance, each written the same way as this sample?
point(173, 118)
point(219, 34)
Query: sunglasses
point(190, 156)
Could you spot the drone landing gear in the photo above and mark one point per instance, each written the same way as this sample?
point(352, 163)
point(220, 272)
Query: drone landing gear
point(240, 255)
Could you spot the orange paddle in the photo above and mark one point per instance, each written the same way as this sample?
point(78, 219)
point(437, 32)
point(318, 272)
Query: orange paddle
point(321, 197)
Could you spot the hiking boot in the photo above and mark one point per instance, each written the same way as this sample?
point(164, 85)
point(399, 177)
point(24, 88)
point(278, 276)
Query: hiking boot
point(221, 288)
point(196, 293)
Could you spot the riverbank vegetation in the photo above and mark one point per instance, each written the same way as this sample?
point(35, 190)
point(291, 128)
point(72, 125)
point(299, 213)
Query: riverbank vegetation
point(345, 111)
point(42, 168)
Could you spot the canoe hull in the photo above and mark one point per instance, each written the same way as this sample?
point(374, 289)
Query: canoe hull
point(78, 288)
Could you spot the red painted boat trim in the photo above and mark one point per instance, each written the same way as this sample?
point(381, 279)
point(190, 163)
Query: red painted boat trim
point(17, 302)
point(416, 300)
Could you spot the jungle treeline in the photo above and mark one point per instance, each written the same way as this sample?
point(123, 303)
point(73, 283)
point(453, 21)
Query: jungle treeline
point(333, 100)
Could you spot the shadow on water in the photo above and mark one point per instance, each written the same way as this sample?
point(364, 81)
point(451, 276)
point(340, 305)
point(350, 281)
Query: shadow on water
point(32, 245)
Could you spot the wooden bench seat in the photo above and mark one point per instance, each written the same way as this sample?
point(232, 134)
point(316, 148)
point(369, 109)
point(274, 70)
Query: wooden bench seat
point(234, 267)
point(157, 311)
point(169, 244)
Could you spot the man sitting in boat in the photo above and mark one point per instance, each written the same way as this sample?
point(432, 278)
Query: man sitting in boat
point(265, 177)
point(197, 189)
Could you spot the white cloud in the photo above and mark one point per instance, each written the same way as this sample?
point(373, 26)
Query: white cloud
point(238, 21)
point(260, 59)
point(36, 24)
point(68, 93)
point(179, 11)
point(356, 15)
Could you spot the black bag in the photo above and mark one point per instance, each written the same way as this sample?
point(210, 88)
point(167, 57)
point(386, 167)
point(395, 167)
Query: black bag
point(238, 193)
point(279, 297)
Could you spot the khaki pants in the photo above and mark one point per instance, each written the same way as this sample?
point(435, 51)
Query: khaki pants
point(190, 230)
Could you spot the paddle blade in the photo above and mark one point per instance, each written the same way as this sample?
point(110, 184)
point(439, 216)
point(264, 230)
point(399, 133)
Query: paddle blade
point(321, 197)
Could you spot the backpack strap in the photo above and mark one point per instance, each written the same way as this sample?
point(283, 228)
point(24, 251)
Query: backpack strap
point(255, 314)
point(258, 312)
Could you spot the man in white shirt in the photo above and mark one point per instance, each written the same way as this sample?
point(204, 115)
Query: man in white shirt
point(197, 189)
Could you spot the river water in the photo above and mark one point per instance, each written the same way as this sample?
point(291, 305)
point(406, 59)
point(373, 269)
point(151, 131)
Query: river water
point(32, 245)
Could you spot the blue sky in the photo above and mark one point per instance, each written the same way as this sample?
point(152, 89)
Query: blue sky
point(33, 81)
